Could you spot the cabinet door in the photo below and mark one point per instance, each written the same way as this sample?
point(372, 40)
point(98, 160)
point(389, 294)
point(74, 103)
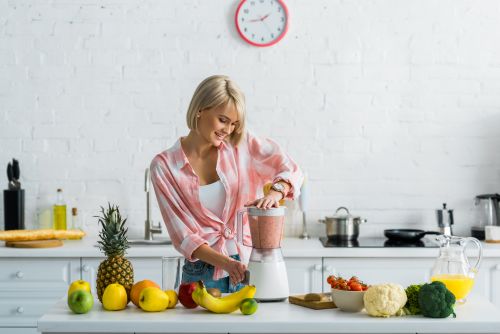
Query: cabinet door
point(144, 268)
point(494, 281)
point(30, 286)
point(404, 271)
point(304, 275)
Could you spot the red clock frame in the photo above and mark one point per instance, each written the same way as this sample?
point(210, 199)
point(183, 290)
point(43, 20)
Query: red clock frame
point(280, 37)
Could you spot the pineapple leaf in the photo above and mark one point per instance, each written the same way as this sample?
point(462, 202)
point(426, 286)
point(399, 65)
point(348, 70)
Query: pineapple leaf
point(113, 232)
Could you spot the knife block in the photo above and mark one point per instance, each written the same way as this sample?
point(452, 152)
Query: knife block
point(13, 204)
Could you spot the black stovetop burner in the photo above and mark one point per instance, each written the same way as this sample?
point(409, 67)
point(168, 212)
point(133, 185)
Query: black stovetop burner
point(376, 243)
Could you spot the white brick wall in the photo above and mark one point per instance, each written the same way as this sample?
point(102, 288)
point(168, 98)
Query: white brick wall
point(392, 106)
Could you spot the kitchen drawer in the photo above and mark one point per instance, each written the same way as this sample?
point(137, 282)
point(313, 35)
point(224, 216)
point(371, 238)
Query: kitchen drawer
point(35, 273)
point(24, 308)
point(18, 330)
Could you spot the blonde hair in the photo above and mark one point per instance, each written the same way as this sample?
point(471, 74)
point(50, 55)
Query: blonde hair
point(213, 92)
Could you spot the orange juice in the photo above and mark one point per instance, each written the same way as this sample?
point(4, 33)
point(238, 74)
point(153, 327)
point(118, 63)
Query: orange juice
point(459, 285)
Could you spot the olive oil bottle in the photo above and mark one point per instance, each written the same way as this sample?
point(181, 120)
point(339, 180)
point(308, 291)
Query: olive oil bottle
point(59, 212)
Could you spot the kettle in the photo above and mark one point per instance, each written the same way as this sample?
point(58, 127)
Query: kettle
point(487, 213)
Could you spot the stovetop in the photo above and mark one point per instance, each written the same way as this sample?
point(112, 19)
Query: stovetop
point(376, 243)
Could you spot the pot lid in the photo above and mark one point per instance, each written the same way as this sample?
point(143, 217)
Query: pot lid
point(343, 215)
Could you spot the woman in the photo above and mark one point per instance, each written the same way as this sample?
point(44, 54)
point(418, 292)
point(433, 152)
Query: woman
point(206, 177)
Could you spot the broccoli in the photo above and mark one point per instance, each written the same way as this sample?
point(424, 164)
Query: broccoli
point(436, 301)
point(412, 306)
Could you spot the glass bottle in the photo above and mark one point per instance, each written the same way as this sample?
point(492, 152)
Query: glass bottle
point(75, 219)
point(59, 209)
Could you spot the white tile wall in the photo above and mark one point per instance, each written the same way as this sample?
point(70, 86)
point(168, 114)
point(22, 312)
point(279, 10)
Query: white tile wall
point(392, 106)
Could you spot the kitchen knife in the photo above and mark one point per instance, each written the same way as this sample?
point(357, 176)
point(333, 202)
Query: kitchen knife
point(10, 175)
point(15, 169)
point(16, 173)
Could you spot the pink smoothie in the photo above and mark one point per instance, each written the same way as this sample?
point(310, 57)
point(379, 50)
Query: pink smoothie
point(266, 231)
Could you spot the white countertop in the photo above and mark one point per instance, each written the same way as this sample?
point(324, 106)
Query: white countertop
point(476, 316)
point(292, 247)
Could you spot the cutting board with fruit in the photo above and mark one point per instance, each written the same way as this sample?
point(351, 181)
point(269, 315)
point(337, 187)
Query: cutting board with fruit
point(316, 301)
point(34, 243)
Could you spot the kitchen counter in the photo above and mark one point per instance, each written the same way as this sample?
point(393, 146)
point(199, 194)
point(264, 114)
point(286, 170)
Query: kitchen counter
point(476, 316)
point(292, 247)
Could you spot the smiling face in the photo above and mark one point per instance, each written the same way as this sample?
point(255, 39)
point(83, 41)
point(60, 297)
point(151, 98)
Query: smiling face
point(217, 124)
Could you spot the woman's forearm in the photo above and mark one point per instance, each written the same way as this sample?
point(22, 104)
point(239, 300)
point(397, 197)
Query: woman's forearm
point(208, 255)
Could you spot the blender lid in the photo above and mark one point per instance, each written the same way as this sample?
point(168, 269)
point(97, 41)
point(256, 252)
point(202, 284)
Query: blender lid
point(255, 211)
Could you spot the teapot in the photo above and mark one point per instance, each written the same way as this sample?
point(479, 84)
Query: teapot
point(452, 266)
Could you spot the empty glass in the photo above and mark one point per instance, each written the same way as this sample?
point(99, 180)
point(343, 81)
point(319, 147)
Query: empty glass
point(171, 269)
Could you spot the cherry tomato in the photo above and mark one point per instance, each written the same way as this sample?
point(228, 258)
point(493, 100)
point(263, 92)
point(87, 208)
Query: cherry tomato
point(356, 286)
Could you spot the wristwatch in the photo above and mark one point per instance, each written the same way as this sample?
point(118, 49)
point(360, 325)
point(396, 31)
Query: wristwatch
point(279, 188)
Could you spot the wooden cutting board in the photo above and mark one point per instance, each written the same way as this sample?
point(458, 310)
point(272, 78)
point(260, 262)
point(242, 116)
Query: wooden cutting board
point(322, 304)
point(34, 243)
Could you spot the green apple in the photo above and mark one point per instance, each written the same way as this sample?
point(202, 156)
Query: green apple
point(80, 301)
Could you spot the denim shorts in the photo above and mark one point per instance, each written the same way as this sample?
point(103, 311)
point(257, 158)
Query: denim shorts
point(199, 270)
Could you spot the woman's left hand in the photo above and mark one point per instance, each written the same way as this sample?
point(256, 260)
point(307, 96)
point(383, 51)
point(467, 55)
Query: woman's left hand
point(271, 200)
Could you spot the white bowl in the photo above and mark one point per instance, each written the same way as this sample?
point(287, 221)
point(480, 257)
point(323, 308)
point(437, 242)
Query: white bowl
point(348, 301)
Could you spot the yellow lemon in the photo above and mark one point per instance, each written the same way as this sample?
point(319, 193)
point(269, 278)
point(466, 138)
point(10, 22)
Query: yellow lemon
point(114, 297)
point(172, 298)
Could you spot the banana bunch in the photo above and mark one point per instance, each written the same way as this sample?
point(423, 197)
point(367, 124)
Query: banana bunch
point(226, 304)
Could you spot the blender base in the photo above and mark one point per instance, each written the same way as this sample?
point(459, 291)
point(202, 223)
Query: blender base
point(270, 279)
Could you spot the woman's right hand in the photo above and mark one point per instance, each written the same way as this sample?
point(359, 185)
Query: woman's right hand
point(236, 271)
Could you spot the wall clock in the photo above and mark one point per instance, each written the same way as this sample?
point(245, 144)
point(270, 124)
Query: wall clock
point(262, 22)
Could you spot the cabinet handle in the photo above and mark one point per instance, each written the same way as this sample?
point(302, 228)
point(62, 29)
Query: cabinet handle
point(317, 267)
point(497, 267)
point(19, 274)
point(329, 269)
point(20, 309)
point(86, 268)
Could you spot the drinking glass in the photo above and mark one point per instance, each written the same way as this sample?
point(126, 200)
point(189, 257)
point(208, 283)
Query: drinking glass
point(171, 269)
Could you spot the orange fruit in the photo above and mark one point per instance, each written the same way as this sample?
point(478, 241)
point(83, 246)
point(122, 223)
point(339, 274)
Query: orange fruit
point(135, 292)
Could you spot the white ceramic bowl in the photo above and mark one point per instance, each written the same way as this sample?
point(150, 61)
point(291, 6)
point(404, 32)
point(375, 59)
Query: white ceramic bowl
point(348, 301)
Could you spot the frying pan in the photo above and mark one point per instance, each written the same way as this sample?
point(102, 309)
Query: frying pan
point(406, 234)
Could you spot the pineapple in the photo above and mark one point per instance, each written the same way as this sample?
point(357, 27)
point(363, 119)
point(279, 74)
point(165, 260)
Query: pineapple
point(116, 268)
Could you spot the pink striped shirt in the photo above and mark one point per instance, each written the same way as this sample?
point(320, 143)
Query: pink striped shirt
point(242, 169)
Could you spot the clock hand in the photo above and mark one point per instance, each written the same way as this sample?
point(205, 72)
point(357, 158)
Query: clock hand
point(257, 19)
point(265, 17)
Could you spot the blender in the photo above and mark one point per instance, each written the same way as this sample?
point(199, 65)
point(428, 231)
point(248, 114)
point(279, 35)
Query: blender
point(266, 266)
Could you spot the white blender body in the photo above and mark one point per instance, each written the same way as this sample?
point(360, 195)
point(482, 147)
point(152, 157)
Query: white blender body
point(268, 273)
point(266, 265)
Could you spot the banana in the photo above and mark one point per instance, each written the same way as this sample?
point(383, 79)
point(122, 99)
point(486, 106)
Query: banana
point(226, 304)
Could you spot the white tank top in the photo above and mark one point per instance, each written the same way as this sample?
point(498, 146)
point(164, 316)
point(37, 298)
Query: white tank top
point(213, 198)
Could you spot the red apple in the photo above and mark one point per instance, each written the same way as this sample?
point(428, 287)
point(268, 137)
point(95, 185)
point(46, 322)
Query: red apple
point(185, 291)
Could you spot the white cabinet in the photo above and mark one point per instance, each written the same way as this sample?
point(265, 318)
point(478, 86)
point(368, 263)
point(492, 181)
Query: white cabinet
point(486, 282)
point(144, 268)
point(494, 281)
point(304, 275)
point(28, 286)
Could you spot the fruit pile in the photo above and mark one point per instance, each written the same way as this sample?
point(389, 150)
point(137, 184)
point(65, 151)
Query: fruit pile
point(196, 294)
point(352, 284)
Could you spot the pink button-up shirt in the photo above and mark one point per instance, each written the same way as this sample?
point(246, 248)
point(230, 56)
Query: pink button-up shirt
point(242, 169)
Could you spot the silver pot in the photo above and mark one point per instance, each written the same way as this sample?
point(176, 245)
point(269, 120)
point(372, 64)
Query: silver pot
point(343, 227)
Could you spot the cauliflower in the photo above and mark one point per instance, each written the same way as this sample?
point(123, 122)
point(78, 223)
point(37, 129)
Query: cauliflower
point(384, 300)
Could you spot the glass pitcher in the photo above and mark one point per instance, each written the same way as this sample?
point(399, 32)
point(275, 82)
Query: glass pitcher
point(452, 267)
